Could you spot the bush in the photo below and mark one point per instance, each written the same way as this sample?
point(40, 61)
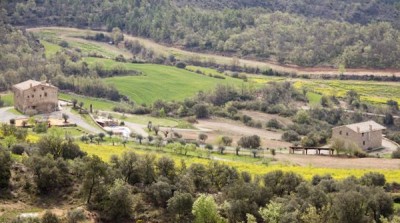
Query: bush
point(201, 111)
point(273, 123)
point(49, 217)
point(360, 154)
point(64, 44)
point(18, 149)
point(396, 154)
point(180, 65)
point(76, 215)
point(290, 136)
point(40, 127)
point(209, 147)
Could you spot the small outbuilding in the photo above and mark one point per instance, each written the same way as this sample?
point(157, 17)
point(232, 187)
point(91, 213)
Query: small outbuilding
point(366, 135)
point(35, 97)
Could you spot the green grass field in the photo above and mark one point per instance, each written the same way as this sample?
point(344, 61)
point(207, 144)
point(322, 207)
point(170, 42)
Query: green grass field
point(98, 104)
point(314, 98)
point(159, 82)
point(50, 48)
point(8, 99)
point(370, 91)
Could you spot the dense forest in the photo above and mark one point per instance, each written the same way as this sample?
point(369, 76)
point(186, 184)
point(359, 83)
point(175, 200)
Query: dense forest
point(354, 34)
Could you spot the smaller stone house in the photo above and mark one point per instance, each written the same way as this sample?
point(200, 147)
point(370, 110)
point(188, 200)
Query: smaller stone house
point(365, 135)
point(36, 97)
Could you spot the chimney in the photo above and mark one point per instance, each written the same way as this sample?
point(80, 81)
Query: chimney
point(30, 85)
point(358, 129)
point(370, 127)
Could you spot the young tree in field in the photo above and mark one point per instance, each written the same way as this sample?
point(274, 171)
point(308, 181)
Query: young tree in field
point(250, 142)
point(149, 126)
point(203, 137)
point(110, 133)
point(81, 105)
point(205, 210)
point(74, 102)
point(91, 137)
point(156, 129)
point(101, 135)
point(84, 138)
point(139, 137)
point(237, 149)
point(65, 117)
point(338, 145)
point(95, 171)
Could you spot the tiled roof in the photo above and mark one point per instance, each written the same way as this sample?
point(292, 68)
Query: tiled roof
point(367, 126)
point(30, 83)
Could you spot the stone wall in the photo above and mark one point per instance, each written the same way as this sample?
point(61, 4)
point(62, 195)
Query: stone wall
point(364, 141)
point(42, 98)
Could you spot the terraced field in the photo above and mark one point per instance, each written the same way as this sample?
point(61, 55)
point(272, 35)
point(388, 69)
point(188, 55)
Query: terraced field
point(241, 163)
point(160, 81)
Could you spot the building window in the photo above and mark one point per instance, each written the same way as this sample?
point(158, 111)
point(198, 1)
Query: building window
point(33, 96)
point(34, 90)
point(42, 88)
point(40, 95)
point(347, 134)
point(363, 143)
point(28, 96)
point(340, 132)
point(45, 94)
point(362, 134)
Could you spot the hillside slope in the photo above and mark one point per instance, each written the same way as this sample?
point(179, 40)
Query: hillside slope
point(305, 34)
point(353, 11)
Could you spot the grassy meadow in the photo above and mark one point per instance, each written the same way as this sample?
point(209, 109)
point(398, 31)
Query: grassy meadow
point(160, 82)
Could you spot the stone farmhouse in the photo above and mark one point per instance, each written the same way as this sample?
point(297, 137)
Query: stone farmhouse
point(35, 97)
point(366, 135)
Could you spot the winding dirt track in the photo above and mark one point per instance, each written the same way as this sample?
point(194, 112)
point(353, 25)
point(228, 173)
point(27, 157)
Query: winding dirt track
point(184, 54)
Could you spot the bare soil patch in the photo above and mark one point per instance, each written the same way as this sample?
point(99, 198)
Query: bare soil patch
point(338, 162)
point(263, 117)
point(223, 127)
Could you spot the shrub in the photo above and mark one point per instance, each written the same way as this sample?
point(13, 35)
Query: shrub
point(290, 136)
point(40, 127)
point(209, 147)
point(273, 123)
point(49, 217)
point(18, 149)
point(201, 111)
point(360, 154)
point(64, 44)
point(76, 215)
point(396, 154)
point(180, 65)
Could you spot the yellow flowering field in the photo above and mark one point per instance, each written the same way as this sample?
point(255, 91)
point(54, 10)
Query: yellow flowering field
point(105, 152)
